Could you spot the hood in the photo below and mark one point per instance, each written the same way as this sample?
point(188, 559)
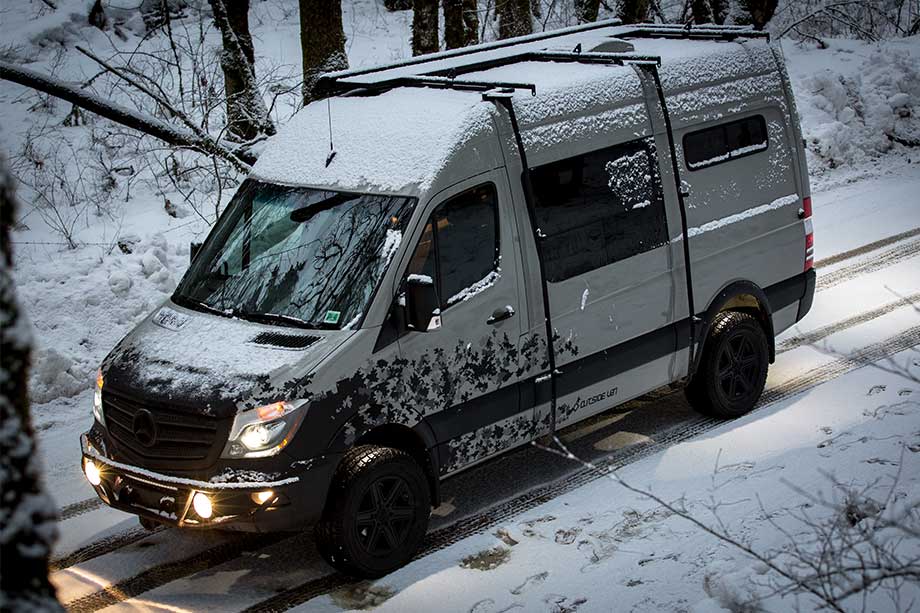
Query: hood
point(209, 364)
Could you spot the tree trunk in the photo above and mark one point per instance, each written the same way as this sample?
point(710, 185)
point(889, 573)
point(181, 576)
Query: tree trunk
point(514, 18)
point(586, 10)
point(28, 514)
point(461, 23)
point(322, 42)
point(701, 11)
point(247, 116)
point(757, 13)
point(633, 11)
point(424, 27)
point(719, 11)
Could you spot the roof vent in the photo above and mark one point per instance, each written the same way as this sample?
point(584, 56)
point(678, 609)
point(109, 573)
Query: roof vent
point(284, 341)
point(614, 45)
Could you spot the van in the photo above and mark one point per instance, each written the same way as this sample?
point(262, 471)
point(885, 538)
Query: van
point(452, 256)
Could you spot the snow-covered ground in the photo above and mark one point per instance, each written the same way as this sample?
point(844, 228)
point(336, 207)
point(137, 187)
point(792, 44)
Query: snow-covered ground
point(597, 547)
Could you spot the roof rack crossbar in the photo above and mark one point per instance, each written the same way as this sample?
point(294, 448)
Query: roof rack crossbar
point(342, 86)
point(728, 33)
point(548, 56)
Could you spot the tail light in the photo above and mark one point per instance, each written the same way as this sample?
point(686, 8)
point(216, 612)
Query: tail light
point(809, 234)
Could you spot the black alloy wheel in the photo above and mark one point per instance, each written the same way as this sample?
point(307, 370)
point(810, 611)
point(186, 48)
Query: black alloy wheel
point(733, 368)
point(376, 512)
point(385, 515)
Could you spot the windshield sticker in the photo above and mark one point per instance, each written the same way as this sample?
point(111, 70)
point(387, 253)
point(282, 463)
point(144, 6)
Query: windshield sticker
point(332, 317)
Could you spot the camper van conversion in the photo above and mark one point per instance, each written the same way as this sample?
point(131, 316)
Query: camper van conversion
point(502, 241)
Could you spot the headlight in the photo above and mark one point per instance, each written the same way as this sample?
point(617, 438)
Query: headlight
point(264, 431)
point(97, 399)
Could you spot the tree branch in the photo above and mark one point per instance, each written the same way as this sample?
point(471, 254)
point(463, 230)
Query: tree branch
point(136, 120)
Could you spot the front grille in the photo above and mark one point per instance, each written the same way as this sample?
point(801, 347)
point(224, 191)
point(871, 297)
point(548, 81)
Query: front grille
point(182, 441)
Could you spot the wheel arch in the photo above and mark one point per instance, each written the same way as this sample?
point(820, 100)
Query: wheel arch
point(744, 296)
point(417, 441)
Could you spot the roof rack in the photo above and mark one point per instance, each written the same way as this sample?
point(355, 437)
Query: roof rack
point(501, 53)
point(704, 32)
point(447, 79)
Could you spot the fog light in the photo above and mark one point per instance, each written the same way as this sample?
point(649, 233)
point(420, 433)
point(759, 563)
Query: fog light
point(202, 505)
point(263, 497)
point(92, 472)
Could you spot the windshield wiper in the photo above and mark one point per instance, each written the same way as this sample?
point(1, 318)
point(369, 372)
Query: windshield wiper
point(197, 305)
point(272, 318)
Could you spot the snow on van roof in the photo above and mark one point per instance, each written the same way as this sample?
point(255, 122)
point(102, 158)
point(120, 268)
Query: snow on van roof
point(395, 142)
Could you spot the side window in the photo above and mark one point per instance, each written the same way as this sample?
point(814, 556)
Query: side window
point(599, 208)
point(459, 245)
point(724, 142)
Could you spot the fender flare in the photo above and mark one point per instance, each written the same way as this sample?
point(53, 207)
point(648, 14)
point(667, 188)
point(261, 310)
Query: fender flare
point(724, 297)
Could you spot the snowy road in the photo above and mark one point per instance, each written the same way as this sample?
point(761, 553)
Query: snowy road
point(869, 283)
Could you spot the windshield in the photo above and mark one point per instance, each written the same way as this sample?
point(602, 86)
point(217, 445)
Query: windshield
point(296, 256)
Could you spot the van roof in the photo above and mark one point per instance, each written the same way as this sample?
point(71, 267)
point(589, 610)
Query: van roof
point(398, 141)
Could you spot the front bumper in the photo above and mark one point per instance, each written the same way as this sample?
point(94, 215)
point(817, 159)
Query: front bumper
point(294, 502)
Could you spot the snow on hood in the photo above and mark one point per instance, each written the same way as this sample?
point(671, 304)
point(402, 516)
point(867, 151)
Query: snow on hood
point(395, 142)
point(205, 362)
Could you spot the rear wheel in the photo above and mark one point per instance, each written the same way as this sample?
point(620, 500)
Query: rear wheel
point(377, 512)
point(733, 368)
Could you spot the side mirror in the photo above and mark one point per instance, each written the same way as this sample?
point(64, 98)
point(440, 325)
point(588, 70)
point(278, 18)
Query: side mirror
point(193, 249)
point(422, 304)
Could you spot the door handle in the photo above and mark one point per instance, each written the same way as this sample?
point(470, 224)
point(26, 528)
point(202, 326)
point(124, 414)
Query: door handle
point(500, 314)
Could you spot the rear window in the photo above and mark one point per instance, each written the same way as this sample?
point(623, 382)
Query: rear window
point(724, 142)
point(599, 208)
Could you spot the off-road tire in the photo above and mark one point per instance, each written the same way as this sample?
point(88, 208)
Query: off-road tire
point(732, 371)
point(346, 540)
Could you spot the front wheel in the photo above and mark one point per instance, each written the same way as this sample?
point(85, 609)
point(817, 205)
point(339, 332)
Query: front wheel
point(733, 368)
point(377, 512)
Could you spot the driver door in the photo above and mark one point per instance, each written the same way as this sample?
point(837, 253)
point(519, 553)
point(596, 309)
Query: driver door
point(465, 368)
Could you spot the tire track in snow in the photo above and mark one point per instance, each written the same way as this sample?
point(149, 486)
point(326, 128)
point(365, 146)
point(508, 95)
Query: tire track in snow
point(823, 332)
point(102, 547)
point(489, 518)
point(887, 258)
point(164, 573)
point(863, 249)
point(79, 508)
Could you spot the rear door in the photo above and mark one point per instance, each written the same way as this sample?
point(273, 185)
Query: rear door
point(466, 371)
point(608, 266)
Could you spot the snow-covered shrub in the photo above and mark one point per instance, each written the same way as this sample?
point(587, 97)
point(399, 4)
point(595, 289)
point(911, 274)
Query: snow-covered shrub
point(850, 119)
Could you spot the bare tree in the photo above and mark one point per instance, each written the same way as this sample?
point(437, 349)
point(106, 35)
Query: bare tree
point(461, 23)
point(322, 42)
point(514, 18)
point(424, 26)
point(633, 11)
point(586, 10)
point(757, 13)
point(28, 514)
point(247, 115)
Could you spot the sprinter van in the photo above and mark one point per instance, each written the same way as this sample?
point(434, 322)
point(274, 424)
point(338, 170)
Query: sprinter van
point(452, 256)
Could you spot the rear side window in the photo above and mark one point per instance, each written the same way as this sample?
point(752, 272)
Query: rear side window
point(599, 208)
point(724, 142)
point(459, 245)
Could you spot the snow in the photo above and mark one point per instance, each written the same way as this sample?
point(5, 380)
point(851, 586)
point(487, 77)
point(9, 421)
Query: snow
point(392, 143)
point(718, 224)
point(598, 544)
point(731, 154)
point(477, 288)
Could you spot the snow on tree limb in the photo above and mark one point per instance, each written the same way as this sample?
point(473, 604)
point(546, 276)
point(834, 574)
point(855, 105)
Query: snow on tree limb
point(137, 120)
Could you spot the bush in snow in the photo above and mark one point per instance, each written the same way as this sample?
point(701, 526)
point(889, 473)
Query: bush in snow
point(846, 120)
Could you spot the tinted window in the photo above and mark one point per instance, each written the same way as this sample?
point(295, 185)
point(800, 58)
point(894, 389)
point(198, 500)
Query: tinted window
point(599, 208)
point(459, 246)
point(725, 141)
